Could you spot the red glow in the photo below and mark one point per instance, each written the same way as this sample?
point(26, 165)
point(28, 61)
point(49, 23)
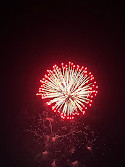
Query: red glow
point(89, 148)
point(50, 119)
point(53, 139)
point(45, 152)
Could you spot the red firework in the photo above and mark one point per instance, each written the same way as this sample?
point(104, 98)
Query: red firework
point(68, 89)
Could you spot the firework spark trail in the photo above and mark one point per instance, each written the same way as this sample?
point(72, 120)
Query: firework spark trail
point(69, 90)
point(56, 143)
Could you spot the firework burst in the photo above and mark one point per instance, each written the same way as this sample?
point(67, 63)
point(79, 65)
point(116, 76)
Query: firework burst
point(69, 89)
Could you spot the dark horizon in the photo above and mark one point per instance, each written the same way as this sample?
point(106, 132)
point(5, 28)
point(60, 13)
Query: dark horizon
point(37, 36)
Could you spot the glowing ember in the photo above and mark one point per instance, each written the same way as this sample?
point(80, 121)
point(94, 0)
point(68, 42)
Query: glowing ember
point(69, 89)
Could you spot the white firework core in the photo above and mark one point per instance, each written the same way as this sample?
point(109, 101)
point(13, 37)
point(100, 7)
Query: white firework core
point(68, 89)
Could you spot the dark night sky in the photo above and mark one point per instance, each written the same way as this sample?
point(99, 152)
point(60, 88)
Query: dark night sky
point(37, 36)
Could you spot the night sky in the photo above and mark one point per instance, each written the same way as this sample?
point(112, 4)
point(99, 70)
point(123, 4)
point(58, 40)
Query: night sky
point(36, 36)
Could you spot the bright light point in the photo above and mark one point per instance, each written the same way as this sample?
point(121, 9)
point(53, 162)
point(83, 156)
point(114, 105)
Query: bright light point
point(53, 139)
point(83, 112)
point(45, 153)
point(68, 89)
point(89, 148)
point(53, 107)
point(75, 163)
point(85, 72)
